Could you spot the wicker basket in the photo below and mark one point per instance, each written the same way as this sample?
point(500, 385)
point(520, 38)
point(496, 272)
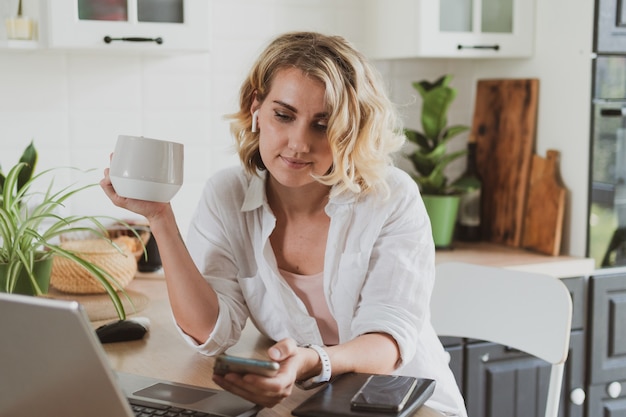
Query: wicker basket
point(68, 276)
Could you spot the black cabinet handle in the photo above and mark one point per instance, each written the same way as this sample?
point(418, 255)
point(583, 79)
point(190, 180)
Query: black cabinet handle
point(494, 47)
point(613, 112)
point(108, 39)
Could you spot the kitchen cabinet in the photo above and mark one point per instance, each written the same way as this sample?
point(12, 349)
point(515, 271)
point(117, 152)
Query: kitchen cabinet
point(500, 378)
point(448, 28)
point(604, 402)
point(607, 344)
point(498, 381)
point(454, 346)
point(506, 382)
point(608, 332)
point(594, 382)
point(136, 25)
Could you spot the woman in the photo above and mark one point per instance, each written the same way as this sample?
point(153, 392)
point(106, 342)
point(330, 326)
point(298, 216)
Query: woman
point(318, 239)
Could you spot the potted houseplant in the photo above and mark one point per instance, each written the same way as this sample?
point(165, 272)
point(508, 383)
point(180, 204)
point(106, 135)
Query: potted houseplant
point(431, 157)
point(30, 230)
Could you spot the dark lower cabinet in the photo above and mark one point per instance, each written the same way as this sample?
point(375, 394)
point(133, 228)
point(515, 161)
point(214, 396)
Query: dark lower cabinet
point(607, 346)
point(608, 328)
point(454, 347)
point(573, 393)
point(497, 381)
point(505, 382)
point(500, 382)
point(603, 401)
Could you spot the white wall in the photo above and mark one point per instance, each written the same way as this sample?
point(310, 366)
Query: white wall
point(75, 104)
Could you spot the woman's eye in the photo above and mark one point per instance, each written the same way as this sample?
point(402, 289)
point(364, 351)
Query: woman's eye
point(321, 126)
point(282, 116)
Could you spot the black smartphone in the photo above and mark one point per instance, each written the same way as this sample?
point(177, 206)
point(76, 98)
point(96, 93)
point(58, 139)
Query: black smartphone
point(228, 363)
point(388, 393)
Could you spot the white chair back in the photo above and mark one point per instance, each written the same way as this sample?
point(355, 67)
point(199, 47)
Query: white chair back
point(526, 311)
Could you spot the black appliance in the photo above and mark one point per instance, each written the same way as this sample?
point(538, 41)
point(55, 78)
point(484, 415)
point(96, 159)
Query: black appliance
point(607, 202)
point(610, 33)
point(607, 211)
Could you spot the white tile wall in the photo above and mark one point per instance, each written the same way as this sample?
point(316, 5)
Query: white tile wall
point(75, 104)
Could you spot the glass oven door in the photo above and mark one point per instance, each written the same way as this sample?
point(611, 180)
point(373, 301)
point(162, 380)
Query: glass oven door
point(607, 206)
point(607, 222)
point(609, 37)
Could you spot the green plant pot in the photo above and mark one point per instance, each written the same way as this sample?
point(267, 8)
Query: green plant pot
point(41, 269)
point(442, 211)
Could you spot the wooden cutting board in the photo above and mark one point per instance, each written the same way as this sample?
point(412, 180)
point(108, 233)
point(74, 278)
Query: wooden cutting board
point(545, 206)
point(504, 128)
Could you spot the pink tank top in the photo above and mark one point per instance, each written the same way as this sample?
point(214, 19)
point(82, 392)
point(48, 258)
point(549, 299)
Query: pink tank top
point(310, 289)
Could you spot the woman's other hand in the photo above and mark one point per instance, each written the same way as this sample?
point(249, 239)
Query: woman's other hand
point(268, 391)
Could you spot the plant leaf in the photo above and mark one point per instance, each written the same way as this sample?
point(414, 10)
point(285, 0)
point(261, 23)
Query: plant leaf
point(432, 157)
point(104, 278)
point(452, 131)
point(417, 138)
point(29, 157)
point(20, 227)
point(435, 111)
point(425, 86)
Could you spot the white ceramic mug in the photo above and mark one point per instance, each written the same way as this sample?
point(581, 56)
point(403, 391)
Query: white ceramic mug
point(147, 169)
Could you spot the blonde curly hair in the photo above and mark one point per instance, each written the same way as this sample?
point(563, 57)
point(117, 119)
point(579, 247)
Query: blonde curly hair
point(363, 126)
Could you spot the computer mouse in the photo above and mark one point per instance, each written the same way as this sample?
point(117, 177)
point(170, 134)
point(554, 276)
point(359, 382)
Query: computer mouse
point(122, 331)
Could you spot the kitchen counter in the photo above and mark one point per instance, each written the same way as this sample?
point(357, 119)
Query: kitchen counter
point(490, 254)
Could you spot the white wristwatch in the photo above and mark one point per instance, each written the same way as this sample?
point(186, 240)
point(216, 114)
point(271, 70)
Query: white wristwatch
point(326, 373)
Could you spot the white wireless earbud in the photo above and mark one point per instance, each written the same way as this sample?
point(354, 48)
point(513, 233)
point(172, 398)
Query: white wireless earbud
point(255, 116)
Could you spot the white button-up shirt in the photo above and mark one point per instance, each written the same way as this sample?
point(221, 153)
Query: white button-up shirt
point(378, 272)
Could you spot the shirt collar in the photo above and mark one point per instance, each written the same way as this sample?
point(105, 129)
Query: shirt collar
point(255, 195)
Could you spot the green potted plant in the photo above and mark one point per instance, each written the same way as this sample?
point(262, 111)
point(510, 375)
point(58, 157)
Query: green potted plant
point(431, 157)
point(30, 231)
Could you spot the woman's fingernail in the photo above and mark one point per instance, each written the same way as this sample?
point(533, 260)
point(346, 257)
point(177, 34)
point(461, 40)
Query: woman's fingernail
point(274, 353)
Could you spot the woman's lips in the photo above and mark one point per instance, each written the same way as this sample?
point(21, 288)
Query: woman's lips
point(294, 162)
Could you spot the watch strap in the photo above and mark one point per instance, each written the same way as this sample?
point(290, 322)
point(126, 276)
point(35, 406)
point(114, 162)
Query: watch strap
point(326, 373)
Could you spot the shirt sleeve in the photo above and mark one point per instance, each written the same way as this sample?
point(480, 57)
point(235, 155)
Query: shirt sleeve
point(208, 243)
point(395, 298)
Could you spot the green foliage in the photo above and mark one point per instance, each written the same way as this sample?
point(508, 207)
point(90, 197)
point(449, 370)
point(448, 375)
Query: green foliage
point(29, 232)
point(29, 158)
point(431, 156)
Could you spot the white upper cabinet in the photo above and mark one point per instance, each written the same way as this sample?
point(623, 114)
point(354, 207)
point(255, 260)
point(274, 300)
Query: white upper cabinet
point(449, 28)
point(139, 25)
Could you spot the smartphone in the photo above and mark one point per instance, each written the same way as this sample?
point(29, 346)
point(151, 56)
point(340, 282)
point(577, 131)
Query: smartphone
point(387, 393)
point(228, 363)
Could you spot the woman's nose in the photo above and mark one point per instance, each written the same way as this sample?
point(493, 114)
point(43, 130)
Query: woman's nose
point(299, 141)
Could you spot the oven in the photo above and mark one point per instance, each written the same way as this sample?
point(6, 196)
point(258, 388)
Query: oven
point(610, 33)
point(607, 211)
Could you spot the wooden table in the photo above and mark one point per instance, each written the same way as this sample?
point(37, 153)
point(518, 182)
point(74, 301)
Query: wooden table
point(164, 354)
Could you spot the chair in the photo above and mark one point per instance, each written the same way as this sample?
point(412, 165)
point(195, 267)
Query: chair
point(526, 311)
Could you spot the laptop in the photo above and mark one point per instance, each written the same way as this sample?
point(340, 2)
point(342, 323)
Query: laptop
point(52, 363)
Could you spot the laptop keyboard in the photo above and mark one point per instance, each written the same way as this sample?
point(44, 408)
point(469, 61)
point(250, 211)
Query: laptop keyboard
point(148, 409)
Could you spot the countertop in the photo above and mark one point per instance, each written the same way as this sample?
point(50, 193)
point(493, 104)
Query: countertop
point(490, 254)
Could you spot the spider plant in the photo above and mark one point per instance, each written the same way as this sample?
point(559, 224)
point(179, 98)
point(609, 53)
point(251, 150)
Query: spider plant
point(30, 227)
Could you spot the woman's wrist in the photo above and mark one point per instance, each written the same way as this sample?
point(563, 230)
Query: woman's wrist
point(321, 372)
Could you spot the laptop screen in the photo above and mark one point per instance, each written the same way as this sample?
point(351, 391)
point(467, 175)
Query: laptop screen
point(52, 363)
